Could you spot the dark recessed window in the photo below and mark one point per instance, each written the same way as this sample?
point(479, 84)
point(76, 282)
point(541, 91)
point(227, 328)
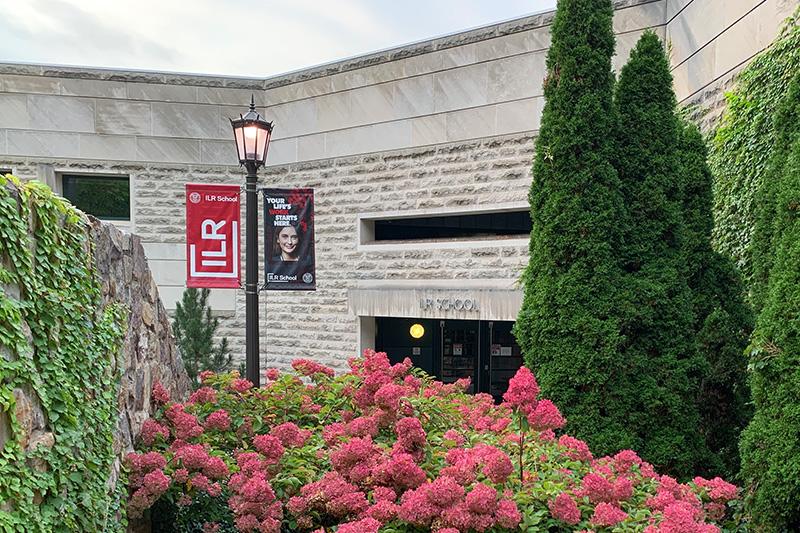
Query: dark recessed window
point(478, 225)
point(4, 171)
point(106, 197)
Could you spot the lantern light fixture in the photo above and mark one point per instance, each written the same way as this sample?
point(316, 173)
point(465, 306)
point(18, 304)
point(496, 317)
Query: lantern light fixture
point(252, 134)
point(417, 331)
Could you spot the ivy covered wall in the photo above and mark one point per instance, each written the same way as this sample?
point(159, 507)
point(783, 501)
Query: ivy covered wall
point(83, 337)
point(59, 384)
point(741, 147)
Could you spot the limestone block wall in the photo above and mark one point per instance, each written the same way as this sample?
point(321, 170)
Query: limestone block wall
point(444, 124)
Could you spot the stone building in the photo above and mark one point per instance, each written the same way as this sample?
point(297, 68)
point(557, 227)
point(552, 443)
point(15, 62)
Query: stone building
point(391, 142)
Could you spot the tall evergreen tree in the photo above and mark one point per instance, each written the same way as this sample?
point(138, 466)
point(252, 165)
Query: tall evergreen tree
point(661, 372)
point(194, 328)
point(722, 319)
point(770, 445)
point(568, 326)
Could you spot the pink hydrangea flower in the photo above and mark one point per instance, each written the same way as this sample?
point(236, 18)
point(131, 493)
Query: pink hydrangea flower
point(546, 416)
point(241, 385)
point(718, 489)
point(597, 488)
point(160, 394)
point(270, 447)
point(219, 420)
point(565, 509)
point(507, 514)
point(203, 395)
point(481, 499)
point(151, 430)
point(272, 374)
point(607, 514)
point(411, 437)
point(290, 435)
point(455, 436)
point(156, 483)
point(185, 424)
point(306, 367)
point(522, 391)
point(576, 449)
point(365, 525)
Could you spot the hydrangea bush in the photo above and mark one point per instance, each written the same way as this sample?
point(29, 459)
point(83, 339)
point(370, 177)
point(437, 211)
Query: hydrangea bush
point(387, 448)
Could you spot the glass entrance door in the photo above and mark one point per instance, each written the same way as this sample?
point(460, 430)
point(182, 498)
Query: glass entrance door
point(461, 352)
point(483, 351)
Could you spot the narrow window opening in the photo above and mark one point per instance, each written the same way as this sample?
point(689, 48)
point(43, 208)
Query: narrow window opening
point(461, 226)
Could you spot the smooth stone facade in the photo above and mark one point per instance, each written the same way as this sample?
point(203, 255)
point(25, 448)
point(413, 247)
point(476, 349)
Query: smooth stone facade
point(445, 126)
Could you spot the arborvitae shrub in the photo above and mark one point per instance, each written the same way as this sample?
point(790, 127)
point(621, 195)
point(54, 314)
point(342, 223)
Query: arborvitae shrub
point(194, 329)
point(568, 326)
point(770, 445)
point(722, 319)
point(661, 368)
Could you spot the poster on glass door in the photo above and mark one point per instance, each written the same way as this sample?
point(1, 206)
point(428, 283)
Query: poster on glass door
point(289, 234)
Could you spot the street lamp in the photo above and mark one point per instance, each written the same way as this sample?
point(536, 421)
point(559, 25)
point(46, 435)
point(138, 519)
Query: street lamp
point(251, 133)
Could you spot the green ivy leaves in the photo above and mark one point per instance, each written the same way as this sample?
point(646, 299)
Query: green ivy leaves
point(59, 341)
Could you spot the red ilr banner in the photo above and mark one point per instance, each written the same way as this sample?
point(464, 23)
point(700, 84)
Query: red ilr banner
point(212, 236)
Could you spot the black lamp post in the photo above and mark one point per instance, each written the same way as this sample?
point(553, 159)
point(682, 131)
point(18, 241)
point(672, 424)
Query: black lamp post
point(251, 133)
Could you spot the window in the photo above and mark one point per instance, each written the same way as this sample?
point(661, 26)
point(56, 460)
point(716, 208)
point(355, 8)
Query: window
point(4, 171)
point(106, 197)
point(484, 225)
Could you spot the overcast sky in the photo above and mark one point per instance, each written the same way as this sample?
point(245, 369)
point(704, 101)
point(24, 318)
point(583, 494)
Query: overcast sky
point(231, 37)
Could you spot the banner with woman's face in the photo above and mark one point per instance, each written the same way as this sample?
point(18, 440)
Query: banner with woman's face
point(289, 240)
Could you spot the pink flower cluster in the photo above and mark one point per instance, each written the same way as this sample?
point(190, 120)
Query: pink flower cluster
point(290, 435)
point(464, 464)
point(398, 450)
point(522, 392)
point(331, 496)
point(160, 394)
point(254, 504)
point(218, 420)
point(306, 367)
point(203, 395)
point(446, 503)
point(184, 424)
point(151, 430)
point(147, 480)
